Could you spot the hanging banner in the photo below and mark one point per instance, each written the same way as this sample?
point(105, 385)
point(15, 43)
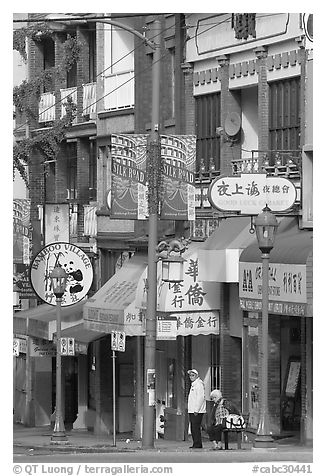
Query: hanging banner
point(56, 222)
point(73, 261)
point(128, 196)
point(22, 231)
point(178, 155)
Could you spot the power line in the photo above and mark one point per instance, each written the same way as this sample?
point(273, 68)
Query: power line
point(86, 17)
point(144, 70)
point(99, 74)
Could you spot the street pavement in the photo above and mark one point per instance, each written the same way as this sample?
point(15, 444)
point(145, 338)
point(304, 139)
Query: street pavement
point(37, 442)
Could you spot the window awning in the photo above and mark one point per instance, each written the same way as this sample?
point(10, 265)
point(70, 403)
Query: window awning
point(40, 321)
point(290, 273)
point(113, 306)
point(81, 334)
point(219, 256)
point(292, 245)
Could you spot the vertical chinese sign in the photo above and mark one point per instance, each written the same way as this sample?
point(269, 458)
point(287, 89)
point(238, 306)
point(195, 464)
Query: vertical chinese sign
point(129, 188)
point(56, 222)
point(178, 154)
point(22, 247)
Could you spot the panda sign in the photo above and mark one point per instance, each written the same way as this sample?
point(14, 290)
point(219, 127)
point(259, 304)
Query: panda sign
point(73, 261)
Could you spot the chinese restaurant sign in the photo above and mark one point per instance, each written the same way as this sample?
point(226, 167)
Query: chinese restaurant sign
point(178, 154)
point(287, 288)
point(70, 258)
point(191, 302)
point(56, 222)
point(128, 197)
point(250, 193)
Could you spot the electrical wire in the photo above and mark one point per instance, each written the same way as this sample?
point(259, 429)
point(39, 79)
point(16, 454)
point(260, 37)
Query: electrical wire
point(150, 67)
point(133, 77)
point(100, 74)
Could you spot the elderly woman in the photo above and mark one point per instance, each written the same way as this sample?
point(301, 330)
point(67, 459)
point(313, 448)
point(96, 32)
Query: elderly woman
point(221, 409)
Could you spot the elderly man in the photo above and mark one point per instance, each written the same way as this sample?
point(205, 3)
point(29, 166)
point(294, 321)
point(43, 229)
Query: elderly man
point(196, 407)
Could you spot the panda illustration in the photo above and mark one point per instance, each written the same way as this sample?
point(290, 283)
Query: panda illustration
point(75, 277)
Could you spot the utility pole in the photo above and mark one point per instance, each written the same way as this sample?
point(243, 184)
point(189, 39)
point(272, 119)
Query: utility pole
point(154, 178)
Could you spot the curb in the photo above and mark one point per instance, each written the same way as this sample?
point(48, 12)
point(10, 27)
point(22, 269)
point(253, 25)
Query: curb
point(71, 449)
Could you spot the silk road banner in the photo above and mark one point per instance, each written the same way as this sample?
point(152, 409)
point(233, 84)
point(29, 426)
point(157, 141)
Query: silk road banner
point(178, 154)
point(128, 196)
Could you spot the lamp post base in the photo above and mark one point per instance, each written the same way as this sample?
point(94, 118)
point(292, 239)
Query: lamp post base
point(264, 441)
point(59, 438)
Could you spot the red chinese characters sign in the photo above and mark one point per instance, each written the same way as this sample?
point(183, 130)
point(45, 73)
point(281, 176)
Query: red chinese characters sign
point(250, 193)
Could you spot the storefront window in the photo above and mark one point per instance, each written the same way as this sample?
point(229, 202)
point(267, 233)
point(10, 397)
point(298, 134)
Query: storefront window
point(215, 362)
point(171, 384)
point(91, 376)
point(253, 376)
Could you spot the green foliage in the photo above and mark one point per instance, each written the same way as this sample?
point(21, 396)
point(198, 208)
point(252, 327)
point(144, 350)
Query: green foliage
point(34, 32)
point(27, 95)
point(72, 48)
point(46, 142)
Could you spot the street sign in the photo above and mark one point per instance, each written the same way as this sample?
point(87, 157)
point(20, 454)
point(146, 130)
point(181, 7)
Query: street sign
point(118, 341)
point(250, 193)
point(67, 346)
point(63, 346)
point(16, 347)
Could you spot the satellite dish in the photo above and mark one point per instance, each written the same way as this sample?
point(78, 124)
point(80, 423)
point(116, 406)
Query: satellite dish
point(308, 25)
point(232, 124)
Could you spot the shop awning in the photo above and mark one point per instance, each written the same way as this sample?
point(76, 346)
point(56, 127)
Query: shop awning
point(113, 306)
point(219, 255)
point(81, 334)
point(292, 245)
point(40, 321)
point(290, 270)
point(192, 303)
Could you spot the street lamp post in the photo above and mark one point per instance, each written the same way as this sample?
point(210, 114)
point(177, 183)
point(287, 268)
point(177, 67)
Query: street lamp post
point(266, 226)
point(58, 281)
point(154, 173)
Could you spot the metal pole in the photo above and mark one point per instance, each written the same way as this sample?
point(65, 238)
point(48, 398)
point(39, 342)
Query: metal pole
point(263, 437)
point(153, 197)
point(113, 390)
point(59, 432)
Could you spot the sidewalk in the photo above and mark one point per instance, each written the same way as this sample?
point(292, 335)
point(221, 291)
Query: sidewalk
point(86, 442)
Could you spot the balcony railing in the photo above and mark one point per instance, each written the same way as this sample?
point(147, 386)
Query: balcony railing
point(119, 90)
point(47, 102)
point(46, 108)
point(90, 220)
point(64, 93)
point(89, 99)
point(286, 163)
point(282, 163)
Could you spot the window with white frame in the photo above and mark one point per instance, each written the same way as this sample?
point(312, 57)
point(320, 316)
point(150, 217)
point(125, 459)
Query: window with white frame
point(119, 72)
